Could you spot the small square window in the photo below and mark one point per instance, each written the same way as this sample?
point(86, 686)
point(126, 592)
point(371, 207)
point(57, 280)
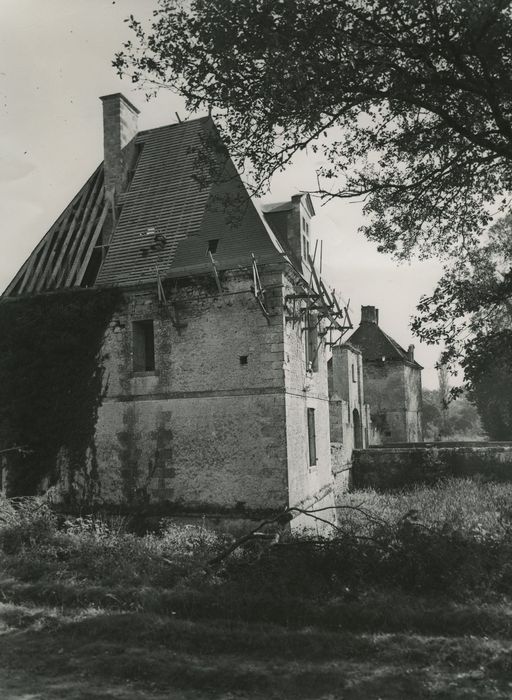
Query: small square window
point(212, 245)
point(143, 346)
point(243, 359)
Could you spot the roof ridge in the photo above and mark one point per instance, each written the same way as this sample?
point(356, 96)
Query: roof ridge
point(143, 132)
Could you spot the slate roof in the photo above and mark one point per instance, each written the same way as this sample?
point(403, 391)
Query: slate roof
point(163, 221)
point(375, 344)
point(277, 206)
point(166, 197)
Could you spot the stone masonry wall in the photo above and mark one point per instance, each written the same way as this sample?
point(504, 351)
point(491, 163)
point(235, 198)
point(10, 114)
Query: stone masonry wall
point(206, 429)
point(308, 483)
point(384, 385)
point(395, 467)
point(347, 397)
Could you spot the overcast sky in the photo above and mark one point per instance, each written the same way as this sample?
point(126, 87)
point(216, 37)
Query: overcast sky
point(55, 63)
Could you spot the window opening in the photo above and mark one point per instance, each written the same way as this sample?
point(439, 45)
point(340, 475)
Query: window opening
point(243, 359)
point(311, 436)
point(358, 433)
point(143, 346)
point(310, 342)
point(212, 245)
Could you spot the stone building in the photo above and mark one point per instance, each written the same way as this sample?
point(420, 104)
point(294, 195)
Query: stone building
point(224, 369)
point(350, 421)
point(392, 381)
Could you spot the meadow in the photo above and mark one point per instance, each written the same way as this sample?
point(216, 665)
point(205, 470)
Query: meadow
point(411, 596)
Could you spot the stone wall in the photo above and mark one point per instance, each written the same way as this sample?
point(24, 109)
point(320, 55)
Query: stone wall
point(349, 415)
point(219, 424)
point(393, 390)
point(306, 388)
point(395, 467)
point(205, 430)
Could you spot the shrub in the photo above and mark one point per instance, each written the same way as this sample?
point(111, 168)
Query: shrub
point(465, 505)
point(25, 522)
point(453, 539)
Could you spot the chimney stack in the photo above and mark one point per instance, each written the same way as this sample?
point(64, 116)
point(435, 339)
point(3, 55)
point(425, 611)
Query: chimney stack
point(119, 127)
point(410, 353)
point(369, 314)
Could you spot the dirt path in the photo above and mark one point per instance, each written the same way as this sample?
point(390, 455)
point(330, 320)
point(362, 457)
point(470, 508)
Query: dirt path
point(47, 655)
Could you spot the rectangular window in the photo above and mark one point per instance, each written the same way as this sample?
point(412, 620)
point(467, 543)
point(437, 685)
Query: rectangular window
point(143, 346)
point(311, 436)
point(305, 247)
point(310, 342)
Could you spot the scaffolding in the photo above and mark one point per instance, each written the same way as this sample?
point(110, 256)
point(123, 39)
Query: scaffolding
point(314, 300)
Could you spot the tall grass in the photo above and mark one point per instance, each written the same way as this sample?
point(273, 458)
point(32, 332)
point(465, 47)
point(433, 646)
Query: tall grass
point(456, 505)
point(453, 539)
point(35, 545)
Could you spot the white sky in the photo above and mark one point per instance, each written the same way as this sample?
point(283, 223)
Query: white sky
point(55, 62)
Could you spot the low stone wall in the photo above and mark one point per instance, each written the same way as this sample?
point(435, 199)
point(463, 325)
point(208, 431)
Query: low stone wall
point(392, 467)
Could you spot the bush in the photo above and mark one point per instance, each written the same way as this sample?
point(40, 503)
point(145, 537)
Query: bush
point(464, 505)
point(25, 522)
point(453, 539)
point(98, 549)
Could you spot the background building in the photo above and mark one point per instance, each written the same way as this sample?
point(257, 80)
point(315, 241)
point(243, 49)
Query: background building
point(392, 381)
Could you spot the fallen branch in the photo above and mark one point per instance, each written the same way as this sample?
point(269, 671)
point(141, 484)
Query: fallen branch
point(284, 518)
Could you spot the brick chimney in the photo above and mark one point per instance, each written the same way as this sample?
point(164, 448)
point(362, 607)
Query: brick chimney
point(291, 222)
point(369, 314)
point(410, 353)
point(119, 128)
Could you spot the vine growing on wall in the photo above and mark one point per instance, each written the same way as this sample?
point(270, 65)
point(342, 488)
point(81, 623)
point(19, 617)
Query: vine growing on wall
point(51, 380)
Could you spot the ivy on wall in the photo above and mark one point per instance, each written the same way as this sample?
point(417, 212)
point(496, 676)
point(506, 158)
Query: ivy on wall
point(51, 380)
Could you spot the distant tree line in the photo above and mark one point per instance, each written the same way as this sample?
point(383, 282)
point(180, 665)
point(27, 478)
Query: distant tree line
point(456, 420)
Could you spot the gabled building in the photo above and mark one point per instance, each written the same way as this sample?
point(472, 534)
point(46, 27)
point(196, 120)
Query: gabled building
point(217, 391)
point(392, 381)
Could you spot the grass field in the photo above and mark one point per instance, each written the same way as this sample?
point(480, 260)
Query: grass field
point(411, 599)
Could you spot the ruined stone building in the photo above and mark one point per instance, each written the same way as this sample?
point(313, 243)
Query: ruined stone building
point(392, 381)
point(227, 386)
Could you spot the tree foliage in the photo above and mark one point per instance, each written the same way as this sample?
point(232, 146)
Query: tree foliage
point(488, 369)
point(50, 380)
point(407, 104)
point(459, 420)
